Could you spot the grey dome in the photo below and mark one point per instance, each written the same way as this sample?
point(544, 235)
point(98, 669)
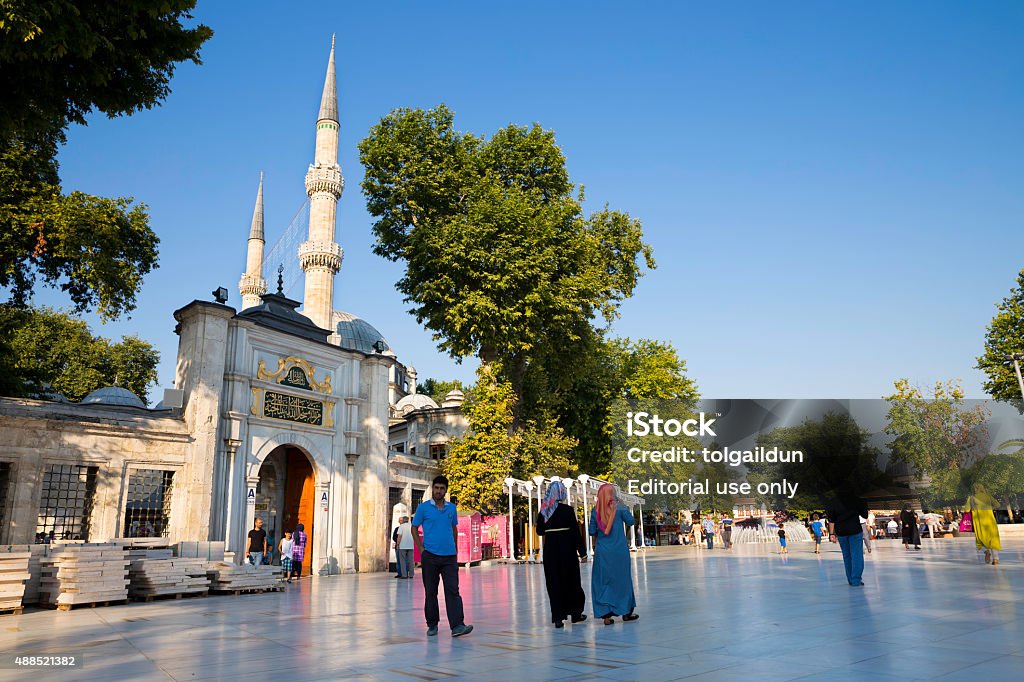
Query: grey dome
point(355, 333)
point(113, 395)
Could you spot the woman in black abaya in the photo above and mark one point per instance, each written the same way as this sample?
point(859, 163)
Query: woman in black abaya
point(563, 550)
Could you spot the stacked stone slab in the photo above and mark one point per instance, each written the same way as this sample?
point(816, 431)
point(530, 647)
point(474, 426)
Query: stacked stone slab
point(167, 577)
point(226, 577)
point(13, 576)
point(154, 572)
point(88, 573)
point(35, 570)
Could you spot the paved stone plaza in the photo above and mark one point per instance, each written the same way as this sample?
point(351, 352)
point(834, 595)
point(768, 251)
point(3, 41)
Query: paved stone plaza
point(746, 614)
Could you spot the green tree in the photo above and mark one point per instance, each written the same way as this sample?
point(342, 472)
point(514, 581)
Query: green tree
point(837, 454)
point(49, 351)
point(1003, 338)
point(492, 450)
point(500, 261)
point(590, 392)
point(59, 61)
point(478, 463)
point(937, 433)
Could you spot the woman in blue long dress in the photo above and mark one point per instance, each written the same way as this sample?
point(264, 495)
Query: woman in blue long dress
point(611, 582)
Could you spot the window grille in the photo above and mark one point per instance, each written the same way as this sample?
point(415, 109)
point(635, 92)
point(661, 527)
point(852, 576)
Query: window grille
point(394, 497)
point(5, 482)
point(148, 510)
point(417, 497)
point(65, 504)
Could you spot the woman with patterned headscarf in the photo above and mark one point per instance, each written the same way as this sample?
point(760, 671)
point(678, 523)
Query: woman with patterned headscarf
point(563, 550)
point(611, 583)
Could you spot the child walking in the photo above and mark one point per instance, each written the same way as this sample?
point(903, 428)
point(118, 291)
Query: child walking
point(782, 539)
point(286, 555)
point(817, 530)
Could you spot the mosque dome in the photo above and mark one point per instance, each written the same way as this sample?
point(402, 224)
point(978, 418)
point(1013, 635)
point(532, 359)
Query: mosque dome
point(454, 398)
point(355, 333)
point(415, 401)
point(113, 395)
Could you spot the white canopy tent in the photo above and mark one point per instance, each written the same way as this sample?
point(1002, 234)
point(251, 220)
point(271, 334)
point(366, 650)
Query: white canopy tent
point(581, 490)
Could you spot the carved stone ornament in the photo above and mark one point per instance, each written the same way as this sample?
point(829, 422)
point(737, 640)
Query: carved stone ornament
point(286, 376)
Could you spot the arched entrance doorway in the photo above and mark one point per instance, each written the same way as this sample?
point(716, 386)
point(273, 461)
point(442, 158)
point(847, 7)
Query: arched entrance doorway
point(286, 496)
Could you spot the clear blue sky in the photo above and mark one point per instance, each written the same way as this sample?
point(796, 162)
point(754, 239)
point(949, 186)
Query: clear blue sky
point(833, 190)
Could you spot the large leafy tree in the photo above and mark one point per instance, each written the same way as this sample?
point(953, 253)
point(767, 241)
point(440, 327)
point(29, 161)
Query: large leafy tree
point(48, 352)
point(935, 433)
point(59, 61)
point(1003, 338)
point(500, 261)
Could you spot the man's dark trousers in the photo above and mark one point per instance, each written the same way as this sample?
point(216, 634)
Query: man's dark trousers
point(435, 568)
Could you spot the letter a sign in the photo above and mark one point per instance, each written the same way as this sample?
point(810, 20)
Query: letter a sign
point(250, 497)
point(323, 500)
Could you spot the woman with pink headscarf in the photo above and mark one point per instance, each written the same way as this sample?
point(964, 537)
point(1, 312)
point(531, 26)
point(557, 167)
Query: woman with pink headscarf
point(611, 583)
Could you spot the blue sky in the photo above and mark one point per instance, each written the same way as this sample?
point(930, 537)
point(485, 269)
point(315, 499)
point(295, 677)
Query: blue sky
point(832, 190)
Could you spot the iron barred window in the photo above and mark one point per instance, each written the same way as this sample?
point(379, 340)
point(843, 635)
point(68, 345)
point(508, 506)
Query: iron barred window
point(417, 497)
point(394, 497)
point(65, 503)
point(147, 512)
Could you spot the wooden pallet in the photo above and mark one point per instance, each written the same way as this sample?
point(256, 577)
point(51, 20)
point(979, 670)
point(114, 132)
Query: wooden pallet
point(12, 610)
point(91, 605)
point(163, 597)
point(249, 590)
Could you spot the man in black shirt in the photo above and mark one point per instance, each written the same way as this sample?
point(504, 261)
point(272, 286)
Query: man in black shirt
point(257, 543)
point(844, 527)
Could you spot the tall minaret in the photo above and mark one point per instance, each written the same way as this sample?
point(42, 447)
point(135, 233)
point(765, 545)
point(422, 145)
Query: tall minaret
point(320, 256)
point(252, 285)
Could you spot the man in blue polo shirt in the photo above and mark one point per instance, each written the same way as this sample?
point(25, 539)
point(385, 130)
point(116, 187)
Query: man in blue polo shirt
point(440, 522)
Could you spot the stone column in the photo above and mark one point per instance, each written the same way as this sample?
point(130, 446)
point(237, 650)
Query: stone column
point(231, 446)
point(350, 520)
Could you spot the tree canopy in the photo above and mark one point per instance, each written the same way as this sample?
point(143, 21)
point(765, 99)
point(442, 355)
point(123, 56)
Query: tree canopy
point(500, 260)
point(59, 61)
point(1003, 338)
point(45, 351)
point(937, 433)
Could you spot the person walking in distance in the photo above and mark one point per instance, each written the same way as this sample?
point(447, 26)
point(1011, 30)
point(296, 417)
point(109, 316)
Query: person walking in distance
point(726, 532)
point(404, 549)
point(438, 558)
point(986, 532)
point(817, 530)
point(299, 539)
point(709, 531)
